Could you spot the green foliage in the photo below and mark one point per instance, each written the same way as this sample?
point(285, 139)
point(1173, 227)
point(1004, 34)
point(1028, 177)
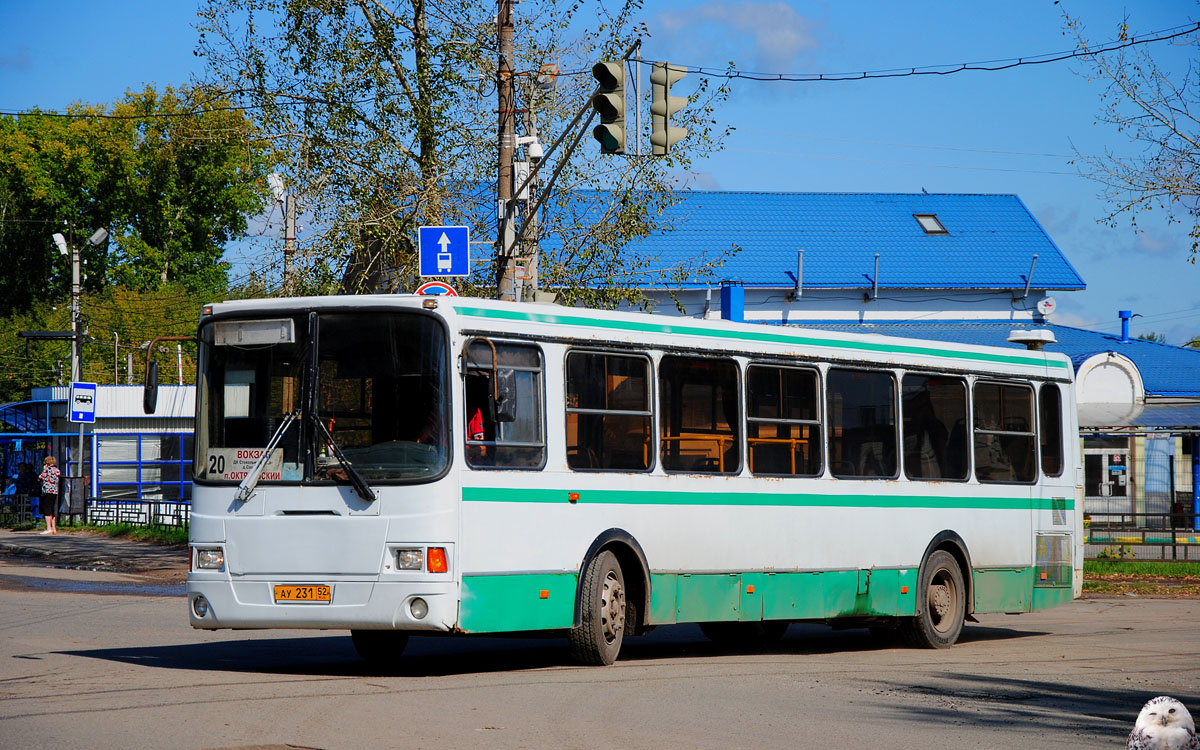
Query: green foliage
point(118, 322)
point(173, 176)
point(1115, 552)
point(1153, 336)
point(388, 113)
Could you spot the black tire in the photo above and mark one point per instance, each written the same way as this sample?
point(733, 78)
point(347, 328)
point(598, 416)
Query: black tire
point(744, 635)
point(597, 639)
point(381, 648)
point(941, 604)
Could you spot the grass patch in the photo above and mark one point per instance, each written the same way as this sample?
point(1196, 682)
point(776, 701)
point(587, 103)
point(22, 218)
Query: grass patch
point(1140, 588)
point(168, 535)
point(1140, 569)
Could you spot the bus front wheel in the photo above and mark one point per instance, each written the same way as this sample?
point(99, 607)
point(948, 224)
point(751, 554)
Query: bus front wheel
point(941, 604)
point(381, 648)
point(597, 638)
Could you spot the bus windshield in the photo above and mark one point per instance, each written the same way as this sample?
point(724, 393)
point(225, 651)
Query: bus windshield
point(373, 388)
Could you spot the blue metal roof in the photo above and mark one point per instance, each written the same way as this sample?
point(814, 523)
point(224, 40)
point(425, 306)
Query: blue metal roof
point(1166, 370)
point(989, 244)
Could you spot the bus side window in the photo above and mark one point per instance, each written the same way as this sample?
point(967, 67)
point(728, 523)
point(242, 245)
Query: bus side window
point(607, 412)
point(862, 424)
point(934, 427)
point(783, 427)
point(1004, 436)
point(699, 415)
point(503, 399)
point(1051, 429)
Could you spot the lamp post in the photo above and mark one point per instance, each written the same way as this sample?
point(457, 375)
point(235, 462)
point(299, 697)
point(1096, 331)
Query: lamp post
point(64, 248)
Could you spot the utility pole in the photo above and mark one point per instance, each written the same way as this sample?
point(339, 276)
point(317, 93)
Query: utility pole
point(506, 281)
point(289, 241)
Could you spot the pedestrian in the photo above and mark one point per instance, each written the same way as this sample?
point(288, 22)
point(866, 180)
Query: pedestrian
point(49, 479)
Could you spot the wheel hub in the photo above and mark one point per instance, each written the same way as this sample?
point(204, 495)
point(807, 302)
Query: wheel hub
point(939, 601)
point(612, 608)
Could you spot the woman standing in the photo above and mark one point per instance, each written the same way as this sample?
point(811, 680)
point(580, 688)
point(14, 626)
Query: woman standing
point(49, 479)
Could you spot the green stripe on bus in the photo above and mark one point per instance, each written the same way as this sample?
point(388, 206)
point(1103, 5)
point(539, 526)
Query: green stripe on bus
point(755, 336)
point(800, 500)
point(546, 601)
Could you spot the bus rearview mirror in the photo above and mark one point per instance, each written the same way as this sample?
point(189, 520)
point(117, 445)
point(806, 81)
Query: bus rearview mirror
point(506, 396)
point(150, 392)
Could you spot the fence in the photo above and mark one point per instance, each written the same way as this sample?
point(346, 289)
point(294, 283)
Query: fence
point(1141, 536)
point(145, 512)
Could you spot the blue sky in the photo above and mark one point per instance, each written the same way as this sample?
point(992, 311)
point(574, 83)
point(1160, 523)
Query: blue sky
point(1013, 131)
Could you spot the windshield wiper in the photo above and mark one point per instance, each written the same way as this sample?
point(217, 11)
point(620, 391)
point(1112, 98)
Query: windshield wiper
point(356, 480)
point(246, 488)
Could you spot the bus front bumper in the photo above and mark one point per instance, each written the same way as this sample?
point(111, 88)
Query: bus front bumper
point(215, 603)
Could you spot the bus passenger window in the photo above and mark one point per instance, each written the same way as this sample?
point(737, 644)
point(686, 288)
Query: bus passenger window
point(934, 427)
point(493, 440)
point(1051, 429)
point(1004, 438)
point(783, 428)
point(608, 412)
point(862, 424)
point(699, 415)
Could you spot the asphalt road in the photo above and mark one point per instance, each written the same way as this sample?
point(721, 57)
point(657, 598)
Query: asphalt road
point(107, 660)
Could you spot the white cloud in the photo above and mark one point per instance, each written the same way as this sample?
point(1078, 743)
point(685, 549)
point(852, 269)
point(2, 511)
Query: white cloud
point(761, 36)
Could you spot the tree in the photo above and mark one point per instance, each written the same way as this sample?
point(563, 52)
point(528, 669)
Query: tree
point(388, 113)
point(1194, 343)
point(172, 175)
point(1158, 108)
point(1153, 337)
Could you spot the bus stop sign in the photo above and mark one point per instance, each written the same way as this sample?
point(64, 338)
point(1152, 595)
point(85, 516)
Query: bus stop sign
point(83, 402)
point(444, 251)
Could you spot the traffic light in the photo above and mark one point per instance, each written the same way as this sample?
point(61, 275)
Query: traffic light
point(663, 105)
point(610, 104)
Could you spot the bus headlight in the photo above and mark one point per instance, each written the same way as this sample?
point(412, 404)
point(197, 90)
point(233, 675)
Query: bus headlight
point(200, 606)
point(410, 559)
point(210, 558)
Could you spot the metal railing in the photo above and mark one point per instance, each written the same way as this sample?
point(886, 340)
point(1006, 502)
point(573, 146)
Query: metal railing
point(1141, 536)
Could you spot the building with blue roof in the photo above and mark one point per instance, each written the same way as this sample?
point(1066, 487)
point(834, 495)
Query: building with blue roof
point(863, 256)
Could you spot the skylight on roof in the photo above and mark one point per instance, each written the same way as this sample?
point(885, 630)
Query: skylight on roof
point(930, 223)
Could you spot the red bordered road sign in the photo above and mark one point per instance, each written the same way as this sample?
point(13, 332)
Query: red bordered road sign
point(437, 288)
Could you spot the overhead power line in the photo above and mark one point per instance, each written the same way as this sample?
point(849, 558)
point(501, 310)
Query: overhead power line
point(942, 70)
point(1161, 35)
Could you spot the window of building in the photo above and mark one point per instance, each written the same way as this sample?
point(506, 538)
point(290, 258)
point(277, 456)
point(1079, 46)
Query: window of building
point(699, 415)
point(144, 467)
point(608, 412)
point(504, 397)
point(1004, 438)
point(935, 427)
point(862, 424)
point(930, 223)
point(783, 428)
point(1051, 432)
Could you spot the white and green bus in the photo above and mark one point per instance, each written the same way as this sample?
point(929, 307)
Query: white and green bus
point(395, 465)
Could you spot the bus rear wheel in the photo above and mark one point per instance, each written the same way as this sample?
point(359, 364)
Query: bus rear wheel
point(941, 604)
point(597, 639)
point(744, 635)
point(380, 648)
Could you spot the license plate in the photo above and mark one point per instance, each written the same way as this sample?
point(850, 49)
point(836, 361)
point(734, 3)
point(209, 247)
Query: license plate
point(304, 594)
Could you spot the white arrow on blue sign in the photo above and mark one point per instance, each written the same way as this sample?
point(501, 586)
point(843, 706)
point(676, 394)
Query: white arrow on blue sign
point(445, 251)
point(83, 402)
